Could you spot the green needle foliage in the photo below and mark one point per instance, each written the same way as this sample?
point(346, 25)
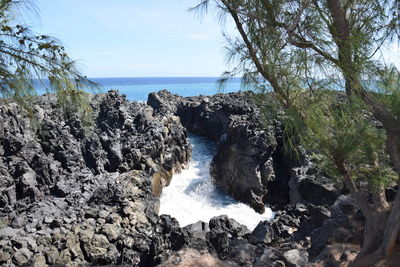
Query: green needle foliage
point(298, 51)
point(335, 129)
point(27, 58)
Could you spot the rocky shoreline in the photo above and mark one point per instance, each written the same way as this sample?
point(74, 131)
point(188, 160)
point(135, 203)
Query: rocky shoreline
point(251, 164)
point(88, 195)
point(76, 195)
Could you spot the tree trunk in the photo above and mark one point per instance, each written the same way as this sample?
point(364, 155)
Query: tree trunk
point(379, 199)
point(393, 223)
point(373, 232)
point(393, 144)
point(381, 228)
point(392, 228)
point(388, 236)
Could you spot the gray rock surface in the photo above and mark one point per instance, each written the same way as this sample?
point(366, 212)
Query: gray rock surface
point(251, 163)
point(71, 192)
point(244, 165)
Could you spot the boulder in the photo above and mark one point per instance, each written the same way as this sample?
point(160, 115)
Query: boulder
point(39, 261)
point(111, 231)
point(4, 256)
point(9, 232)
point(96, 248)
point(220, 242)
point(263, 233)
point(22, 256)
point(197, 230)
point(242, 252)
point(318, 190)
point(270, 257)
point(224, 224)
point(296, 258)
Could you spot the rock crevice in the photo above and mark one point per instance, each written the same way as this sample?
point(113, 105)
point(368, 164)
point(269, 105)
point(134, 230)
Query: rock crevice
point(251, 164)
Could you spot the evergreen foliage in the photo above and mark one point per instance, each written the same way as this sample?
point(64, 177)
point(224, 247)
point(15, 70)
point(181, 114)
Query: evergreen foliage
point(301, 50)
point(27, 58)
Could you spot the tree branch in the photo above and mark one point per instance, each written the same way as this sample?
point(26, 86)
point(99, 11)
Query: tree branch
point(252, 51)
point(301, 42)
point(348, 180)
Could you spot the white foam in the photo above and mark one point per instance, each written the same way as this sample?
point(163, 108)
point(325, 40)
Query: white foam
point(191, 195)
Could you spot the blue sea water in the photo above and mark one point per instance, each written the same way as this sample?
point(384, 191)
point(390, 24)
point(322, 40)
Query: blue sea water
point(137, 89)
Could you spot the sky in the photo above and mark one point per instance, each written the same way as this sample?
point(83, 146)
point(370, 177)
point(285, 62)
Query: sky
point(135, 38)
point(142, 38)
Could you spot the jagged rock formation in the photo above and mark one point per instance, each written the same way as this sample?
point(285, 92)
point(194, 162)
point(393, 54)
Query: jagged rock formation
point(251, 164)
point(296, 232)
point(75, 194)
point(312, 224)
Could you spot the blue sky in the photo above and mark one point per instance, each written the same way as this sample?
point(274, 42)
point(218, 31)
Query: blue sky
point(142, 38)
point(135, 38)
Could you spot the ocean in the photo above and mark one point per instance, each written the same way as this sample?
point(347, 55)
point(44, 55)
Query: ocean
point(137, 89)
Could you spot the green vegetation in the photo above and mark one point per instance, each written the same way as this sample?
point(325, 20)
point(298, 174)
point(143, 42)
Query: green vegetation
point(299, 49)
point(26, 58)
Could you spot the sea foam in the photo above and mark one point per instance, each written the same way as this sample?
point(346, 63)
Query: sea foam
point(191, 195)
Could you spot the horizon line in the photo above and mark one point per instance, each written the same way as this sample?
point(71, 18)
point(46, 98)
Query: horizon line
point(157, 77)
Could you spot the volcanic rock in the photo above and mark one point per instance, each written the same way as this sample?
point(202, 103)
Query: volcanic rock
point(79, 188)
point(251, 163)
